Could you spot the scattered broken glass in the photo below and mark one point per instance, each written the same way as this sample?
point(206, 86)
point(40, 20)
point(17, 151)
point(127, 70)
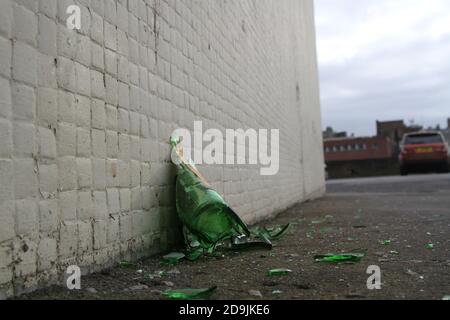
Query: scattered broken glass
point(340, 257)
point(173, 258)
point(385, 242)
point(430, 246)
point(127, 264)
point(279, 272)
point(188, 294)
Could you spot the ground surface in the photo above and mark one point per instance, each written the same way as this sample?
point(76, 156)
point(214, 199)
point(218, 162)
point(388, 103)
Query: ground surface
point(355, 215)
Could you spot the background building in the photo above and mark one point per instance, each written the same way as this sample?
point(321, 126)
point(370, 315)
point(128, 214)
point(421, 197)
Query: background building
point(86, 115)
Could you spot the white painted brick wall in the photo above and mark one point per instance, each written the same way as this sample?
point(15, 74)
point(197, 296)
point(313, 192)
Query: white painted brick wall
point(85, 118)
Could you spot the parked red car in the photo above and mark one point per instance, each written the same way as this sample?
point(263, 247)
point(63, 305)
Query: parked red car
point(422, 150)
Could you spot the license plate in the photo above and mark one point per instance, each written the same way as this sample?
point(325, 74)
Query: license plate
point(424, 150)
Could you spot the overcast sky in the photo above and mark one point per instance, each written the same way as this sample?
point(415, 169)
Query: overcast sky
point(383, 60)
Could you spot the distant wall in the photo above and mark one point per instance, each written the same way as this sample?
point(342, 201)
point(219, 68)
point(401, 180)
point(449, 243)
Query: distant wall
point(362, 168)
point(85, 118)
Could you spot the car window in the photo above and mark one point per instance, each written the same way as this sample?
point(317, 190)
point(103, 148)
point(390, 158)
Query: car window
point(423, 139)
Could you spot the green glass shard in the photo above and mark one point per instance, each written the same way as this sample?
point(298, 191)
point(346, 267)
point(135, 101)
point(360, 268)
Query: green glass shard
point(429, 246)
point(385, 242)
point(188, 294)
point(340, 257)
point(127, 264)
point(246, 244)
point(278, 272)
point(446, 298)
point(194, 254)
point(173, 258)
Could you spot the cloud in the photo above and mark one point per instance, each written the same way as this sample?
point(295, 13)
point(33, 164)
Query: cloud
point(383, 60)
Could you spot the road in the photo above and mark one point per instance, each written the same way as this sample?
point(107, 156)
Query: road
point(358, 214)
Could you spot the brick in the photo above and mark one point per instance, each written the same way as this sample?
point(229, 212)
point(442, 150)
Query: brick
point(83, 79)
point(112, 144)
point(5, 56)
point(85, 237)
point(47, 143)
point(113, 201)
point(25, 27)
point(110, 36)
point(83, 112)
point(123, 118)
point(111, 117)
point(84, 173)
point(67, 140)
point(68, 205)
point(47, 71)
point(47, 107)
point(111, 62)
point(98, 143)
point(25, 253)
point(100, 234)
point(68, 240)
point(83, 143)
point(112, 174)
point(48, 215)
point(48, 179)
point(98, 57)
point(97, 27)
point(47, 253)
point(67, 168)
point(25, 179)
point(84, 51)
point(125, 199)
point(7, 208)
point(66, 74)
point(48, 7)
point(112, 94)
point(6, 274)
point(24, 101)
point(99, 173)
point(47, 36)
point(6, 138)
point(6, 17)
point(26, 217)
point(85, 207)
point(5, 98)
point(97, 85)
point(98, 114)
point(101, 209)
point(24, 140)
point(24, 66)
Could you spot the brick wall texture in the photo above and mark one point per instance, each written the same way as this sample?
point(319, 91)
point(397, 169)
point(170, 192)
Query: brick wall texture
point(85, 118)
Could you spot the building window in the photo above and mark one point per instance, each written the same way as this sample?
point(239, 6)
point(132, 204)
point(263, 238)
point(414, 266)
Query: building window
point(375, 146)
point(357, 147)
point(342, 149)
point(364, 146)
